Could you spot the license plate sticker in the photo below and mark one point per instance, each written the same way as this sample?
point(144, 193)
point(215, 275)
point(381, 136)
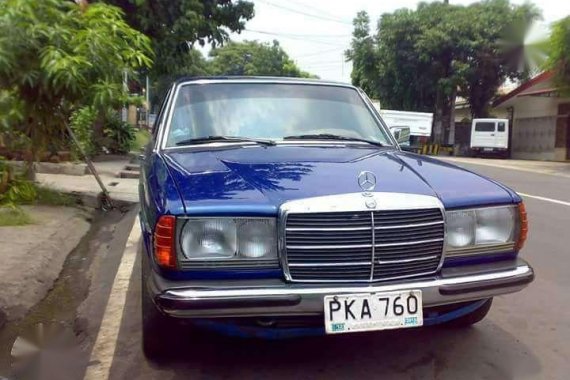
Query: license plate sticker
point(373, 311)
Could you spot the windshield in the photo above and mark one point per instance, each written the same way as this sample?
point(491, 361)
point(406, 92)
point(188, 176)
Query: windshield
point(270, 111)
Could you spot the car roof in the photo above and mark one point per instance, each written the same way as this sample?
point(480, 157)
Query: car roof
point(261, 79)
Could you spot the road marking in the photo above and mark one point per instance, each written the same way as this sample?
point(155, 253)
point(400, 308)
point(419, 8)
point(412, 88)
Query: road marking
point(564, 203)
point(503, 165)
point(104, 348)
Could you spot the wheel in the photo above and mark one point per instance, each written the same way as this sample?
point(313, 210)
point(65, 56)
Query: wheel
point(157, 328)
point(473, 317)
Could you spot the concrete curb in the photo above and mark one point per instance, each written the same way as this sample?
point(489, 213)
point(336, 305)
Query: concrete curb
point(93, 200)
point(504, 165)
point(30, 273)
point(67, 168)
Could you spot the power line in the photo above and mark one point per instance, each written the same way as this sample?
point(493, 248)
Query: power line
point(317, 53)
point(331, 19)
point(293, 37)
point(318, 10)
point(308, 35)
point(319, 67)
point(318, 63)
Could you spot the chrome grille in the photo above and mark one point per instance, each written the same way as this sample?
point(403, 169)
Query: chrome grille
point(363, 245)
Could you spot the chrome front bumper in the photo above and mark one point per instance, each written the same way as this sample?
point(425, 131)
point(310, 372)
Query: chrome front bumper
point(271, 298)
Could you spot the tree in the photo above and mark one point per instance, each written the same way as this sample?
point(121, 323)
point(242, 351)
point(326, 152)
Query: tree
point(496, 50)
point(425, 57)
point(176, 26)
point(559, 55)
point(443, 46)
point(57, 57)
point(191, 63)
point(363, 56)
point(254, 58)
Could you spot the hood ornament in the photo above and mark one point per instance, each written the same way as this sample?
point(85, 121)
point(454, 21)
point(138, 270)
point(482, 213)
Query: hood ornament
point(367, 181)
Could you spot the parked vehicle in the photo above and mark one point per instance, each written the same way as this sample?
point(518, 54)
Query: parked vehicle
point(419, 124)
point(276, 207)
point(490, 136)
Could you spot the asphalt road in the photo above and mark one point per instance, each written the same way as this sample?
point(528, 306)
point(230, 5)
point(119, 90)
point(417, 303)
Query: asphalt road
point(525, 336)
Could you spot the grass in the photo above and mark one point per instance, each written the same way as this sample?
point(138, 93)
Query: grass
point(50, 197)
point(142, 138)
point(10, 217)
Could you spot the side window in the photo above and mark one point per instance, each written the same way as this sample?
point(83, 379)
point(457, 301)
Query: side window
point(485, 127)
point(501, 127)
point(160, 114)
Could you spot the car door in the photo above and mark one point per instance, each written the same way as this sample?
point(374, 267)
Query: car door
point(484, 134)
point(502, 134)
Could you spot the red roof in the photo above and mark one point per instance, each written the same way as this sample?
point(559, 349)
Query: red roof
point(546, 75)
point(546, 92)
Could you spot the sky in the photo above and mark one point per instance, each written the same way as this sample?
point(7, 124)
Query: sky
point(315, 33)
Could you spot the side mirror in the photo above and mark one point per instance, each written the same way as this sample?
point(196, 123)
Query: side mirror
point(401, 134)
point(407, 148)
point(396, 134)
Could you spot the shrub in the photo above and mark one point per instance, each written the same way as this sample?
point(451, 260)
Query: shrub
point(142, 139)
point(19, 192)
point(81, 124)
point(119, 135)
point(50, 197)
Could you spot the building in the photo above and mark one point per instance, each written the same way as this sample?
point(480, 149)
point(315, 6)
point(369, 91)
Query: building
point(540, 120)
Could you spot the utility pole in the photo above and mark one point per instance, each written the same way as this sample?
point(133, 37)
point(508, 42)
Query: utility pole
point(148, 92)
point(126, 89)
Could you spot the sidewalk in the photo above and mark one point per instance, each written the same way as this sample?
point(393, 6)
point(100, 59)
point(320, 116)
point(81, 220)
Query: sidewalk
point(32, 256)
point(561, 169)
point(120, 189)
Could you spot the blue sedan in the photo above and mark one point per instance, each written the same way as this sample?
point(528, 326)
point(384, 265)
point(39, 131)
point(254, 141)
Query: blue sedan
point(275, 207)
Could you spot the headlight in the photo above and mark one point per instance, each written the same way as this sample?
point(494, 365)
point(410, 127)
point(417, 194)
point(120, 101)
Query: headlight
point(256, 238)
point(482, 230)
point(209, 238)
point(229, 238)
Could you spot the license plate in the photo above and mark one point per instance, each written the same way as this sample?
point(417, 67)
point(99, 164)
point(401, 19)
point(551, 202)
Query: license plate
point(375, 311)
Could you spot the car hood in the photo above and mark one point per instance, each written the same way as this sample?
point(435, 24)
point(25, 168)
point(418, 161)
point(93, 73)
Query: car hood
point(257, 180)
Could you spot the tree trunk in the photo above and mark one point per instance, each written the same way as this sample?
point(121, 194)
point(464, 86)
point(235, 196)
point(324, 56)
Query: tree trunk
point(98, 129)
point(30, 158)
point(451, 136)
point(437, 123)
point(442, 118)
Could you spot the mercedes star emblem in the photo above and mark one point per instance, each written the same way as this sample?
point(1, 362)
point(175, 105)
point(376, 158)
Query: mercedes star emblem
point(367, 181)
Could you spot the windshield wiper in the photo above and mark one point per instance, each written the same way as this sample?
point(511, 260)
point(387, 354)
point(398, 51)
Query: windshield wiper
point(330, 136)
point(209, 139)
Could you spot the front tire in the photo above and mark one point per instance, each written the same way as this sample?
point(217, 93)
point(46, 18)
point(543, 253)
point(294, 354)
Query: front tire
point(158, 329)
point(472, 318)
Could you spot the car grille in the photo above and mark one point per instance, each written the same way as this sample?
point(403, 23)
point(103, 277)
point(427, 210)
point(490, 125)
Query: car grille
point(363, 245)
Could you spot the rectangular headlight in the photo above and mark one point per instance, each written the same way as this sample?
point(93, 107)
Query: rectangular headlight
point(481, 230)
point(229, 238)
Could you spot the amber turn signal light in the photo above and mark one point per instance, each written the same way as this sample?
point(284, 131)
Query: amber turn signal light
point(164, 252)
point(523, 223)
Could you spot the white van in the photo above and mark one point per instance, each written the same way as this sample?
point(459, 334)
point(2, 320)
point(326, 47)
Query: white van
point(416, 124)
point(490, 136)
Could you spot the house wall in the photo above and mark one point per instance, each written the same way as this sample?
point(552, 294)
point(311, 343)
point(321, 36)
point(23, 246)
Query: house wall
point(534, 138)
point(535, 129)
